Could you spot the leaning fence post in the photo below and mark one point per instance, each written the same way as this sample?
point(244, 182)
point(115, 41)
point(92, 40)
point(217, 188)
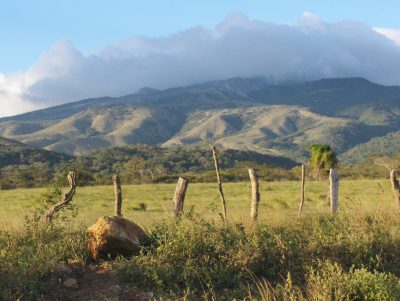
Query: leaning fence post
point(66, 198)
point(217, 171)
point(255, 193)
point(179, 196)
point(395, 186)
point(334, 189)
point(118, 195)
point(303, 180)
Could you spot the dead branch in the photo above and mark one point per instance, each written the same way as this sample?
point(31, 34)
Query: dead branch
point(66, 198)
point(303, 179)
point(388, 163)
point(217, 171)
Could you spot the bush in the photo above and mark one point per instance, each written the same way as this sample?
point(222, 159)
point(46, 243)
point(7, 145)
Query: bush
point(195, 257)
point(28, 258)
point(331, 282)
point(325, 257)
point(49, 198)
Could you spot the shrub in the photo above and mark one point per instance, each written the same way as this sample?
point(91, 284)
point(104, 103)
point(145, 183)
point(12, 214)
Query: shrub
point(194, 257)
point(330, 282)
point(28, 258)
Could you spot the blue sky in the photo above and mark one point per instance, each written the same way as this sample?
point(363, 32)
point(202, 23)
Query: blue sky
point(29, 28)
point(57, 51)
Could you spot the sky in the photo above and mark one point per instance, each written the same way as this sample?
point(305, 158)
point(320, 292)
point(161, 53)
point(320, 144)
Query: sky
point(52, 52)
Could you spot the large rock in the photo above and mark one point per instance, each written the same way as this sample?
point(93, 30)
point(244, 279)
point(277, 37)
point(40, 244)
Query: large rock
point(111, 236)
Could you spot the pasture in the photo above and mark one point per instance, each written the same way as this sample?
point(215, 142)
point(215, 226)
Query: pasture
point(279, 200)
point(350, 255)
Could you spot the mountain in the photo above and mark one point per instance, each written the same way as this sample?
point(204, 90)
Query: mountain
point(239, 113)
point(16, 153)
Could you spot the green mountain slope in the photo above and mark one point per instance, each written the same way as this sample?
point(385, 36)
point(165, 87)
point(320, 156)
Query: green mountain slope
point(387, 145)
point(17, 153)
point(245, 114)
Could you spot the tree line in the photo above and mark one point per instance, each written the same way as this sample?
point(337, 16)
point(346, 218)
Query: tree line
point(150, 164)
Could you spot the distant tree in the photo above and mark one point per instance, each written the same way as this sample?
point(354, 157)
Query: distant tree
point(134, 169)
point(390, 163)
point(322, 158)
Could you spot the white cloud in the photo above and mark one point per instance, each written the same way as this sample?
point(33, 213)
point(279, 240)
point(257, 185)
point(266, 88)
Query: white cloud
point(393, 34)
point(309, 49)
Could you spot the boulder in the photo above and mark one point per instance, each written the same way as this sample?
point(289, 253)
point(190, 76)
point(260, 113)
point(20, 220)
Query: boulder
point(111, 236)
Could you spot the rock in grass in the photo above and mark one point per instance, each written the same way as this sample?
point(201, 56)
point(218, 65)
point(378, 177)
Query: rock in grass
point(71, 283)
point(111, 236)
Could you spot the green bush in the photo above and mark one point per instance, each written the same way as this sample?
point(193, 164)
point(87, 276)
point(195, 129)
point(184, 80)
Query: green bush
point(203, 257)
point(28, 258)
point(330, 282)
point(49, 198)
point(324, 257)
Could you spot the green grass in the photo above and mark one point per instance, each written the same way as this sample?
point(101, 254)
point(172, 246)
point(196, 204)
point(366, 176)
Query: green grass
point(280, 199)
point(352, 255)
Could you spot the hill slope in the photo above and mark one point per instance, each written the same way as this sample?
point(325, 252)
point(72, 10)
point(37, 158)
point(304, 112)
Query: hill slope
point(247, 114)
point(17, 153)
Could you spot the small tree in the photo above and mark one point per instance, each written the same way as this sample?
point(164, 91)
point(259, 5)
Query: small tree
point(322, 159)
point(135, 168)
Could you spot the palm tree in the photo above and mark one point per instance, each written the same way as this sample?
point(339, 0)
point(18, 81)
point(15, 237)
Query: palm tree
point(322, 159)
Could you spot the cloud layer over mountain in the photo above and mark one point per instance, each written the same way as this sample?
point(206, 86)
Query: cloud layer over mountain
point(309, 49)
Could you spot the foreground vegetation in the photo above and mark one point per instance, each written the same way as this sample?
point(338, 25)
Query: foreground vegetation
point(349, 256)
point(323, 257)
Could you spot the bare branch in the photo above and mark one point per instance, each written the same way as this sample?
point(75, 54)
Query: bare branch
point(217, 171)
point(66, 198)
point(388, 163)
point(303, 179)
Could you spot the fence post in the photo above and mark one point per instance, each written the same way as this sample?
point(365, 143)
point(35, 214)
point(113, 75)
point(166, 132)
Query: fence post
point(118, 195)
point(217, 171)
point(303, 180)
point(66, 198)
point(334, 189)
point(255, 193)
point(395, 186)
point(179, 196)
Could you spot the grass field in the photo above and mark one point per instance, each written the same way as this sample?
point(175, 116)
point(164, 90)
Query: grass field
point(352, 255)
point(278, 200)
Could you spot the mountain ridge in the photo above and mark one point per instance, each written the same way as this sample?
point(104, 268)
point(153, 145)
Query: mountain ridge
point(238, 113)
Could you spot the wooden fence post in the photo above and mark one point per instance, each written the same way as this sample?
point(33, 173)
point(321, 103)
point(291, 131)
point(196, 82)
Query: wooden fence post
point(255, 193)
point(334, 189)
point(217, 171)
point(118, 195)
point(303, 180)
point(179, 196)
point(66, 198)
point(395, 186)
